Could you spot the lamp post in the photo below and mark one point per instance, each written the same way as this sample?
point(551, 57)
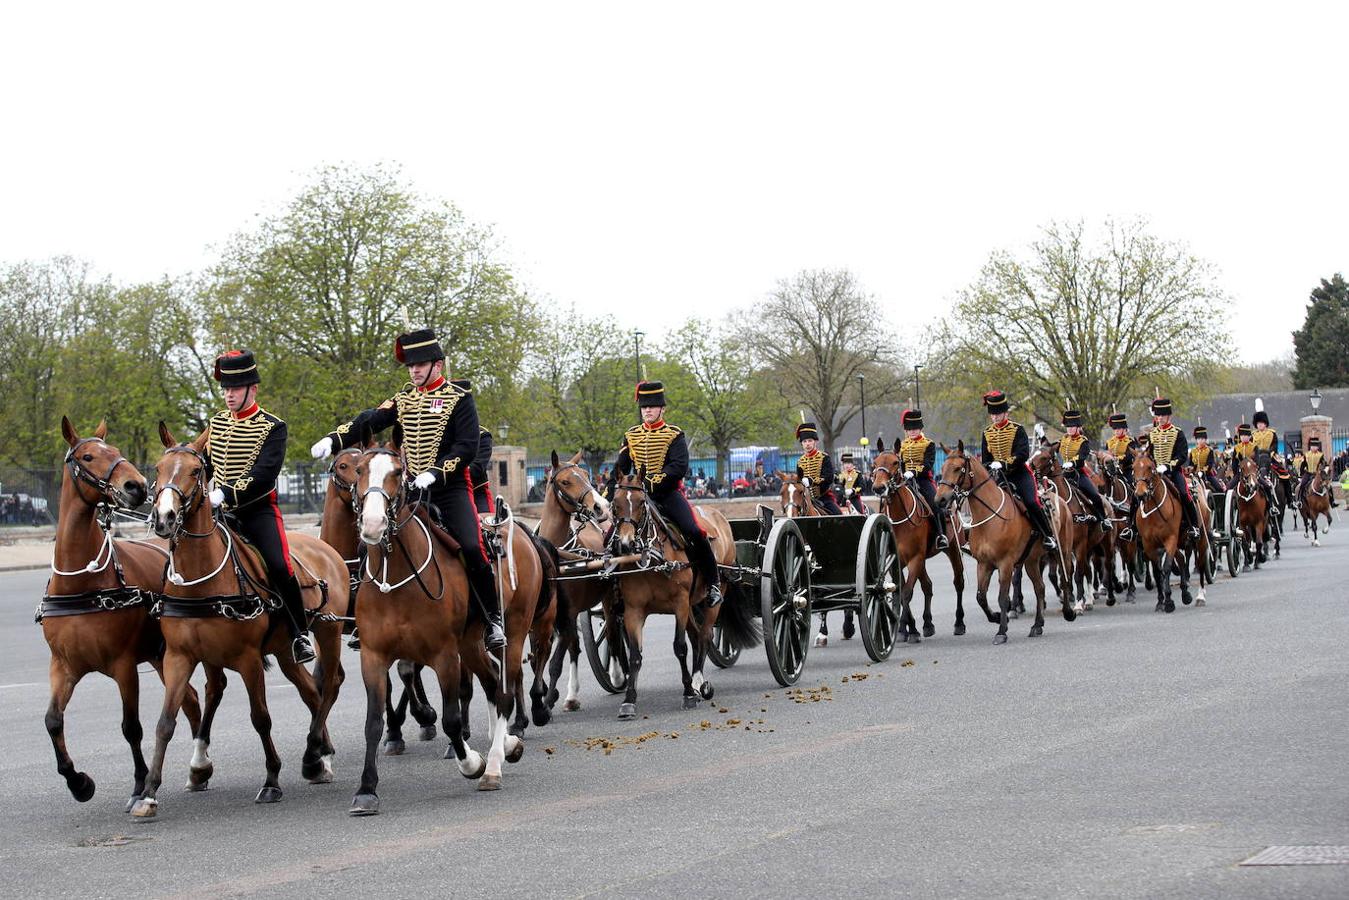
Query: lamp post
point(502, 430)
point(1315, 399)
point(917, 394)
point(862, 386)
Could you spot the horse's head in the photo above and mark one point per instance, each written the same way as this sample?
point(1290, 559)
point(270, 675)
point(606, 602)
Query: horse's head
point(886, 470)
point(957, 473)
point(794, 497)
point(1045, 460)
point(1145, 469)
point(1249, 470)
point(629, 511)
point(98, 470)
point(380, 488)
point(342, 472)
point(180, 483)
point(570, 487)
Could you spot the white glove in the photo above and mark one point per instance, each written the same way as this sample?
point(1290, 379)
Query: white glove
point(908, 476)
point(424, 480)
point(217, 496)
point(1069, 464)
point(1161, 470)
point(323, 448)
point(995, 465)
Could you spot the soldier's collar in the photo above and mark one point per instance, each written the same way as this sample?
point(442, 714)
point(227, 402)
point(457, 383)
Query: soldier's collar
point(659, 423)
point(252, 410)
point(439, 382)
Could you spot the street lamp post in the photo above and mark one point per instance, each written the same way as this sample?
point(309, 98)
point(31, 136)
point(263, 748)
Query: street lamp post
point(862, 386)
point(502, 430)
point(917, 394)
point(1315, 399)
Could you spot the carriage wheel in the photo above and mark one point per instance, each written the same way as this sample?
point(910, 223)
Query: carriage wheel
point(595, 634)
point(877, 576)
point(722, 653)
point(784, 601)
point(1233, 545)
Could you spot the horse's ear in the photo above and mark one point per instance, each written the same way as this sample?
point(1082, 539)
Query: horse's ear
point(960, 446)
point(68, 431)
point(944, 449)
point(102, 430)
point(165, 436)
point(1054, 447)
point(200, 443)
point(577, 458)
point(371, 443)
point(554, 460)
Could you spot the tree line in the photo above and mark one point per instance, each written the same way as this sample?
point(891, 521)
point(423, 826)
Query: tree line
point(320, 288)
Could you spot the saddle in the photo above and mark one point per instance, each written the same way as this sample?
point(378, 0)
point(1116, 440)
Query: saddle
point(250, 557)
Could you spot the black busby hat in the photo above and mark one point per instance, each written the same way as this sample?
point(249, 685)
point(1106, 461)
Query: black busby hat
point(846, 457)
point(1200, 431)
point(807, 430)
point(1260, 418)
point(1243, 428)
point(1118, 420)
point(1314, 442)
point(417, 346)
point(650, 393)
point(1161, 407)
point(1072, 417)
point(996, 401)
point(911, 418)
point(236, 368)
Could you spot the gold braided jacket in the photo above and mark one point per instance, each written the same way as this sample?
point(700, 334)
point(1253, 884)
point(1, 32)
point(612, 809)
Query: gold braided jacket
point(233, 446)
point(1163, 439)
point(1000, 441)
point(810, 465)
point(1245, 449)
point(849, 480)
point(1311, 460)
point(1071, 445)
point(423, 416)
point(914, 452)
point(1263, 440)
point(1199, 456)
point(647, 448)
point(1119, 446)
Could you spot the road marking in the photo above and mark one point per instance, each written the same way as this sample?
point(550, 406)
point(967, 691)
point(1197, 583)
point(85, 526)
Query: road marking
point(5, 687)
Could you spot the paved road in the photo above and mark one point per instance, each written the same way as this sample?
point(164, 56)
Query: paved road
point(1126, 754)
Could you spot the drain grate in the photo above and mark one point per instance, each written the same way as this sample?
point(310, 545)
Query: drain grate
point(1310, 855)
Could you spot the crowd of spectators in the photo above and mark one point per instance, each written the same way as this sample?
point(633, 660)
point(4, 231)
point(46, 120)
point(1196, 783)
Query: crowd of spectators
point(21, 509)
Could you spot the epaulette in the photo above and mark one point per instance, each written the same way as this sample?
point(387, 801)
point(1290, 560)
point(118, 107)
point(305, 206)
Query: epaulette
point(463, 384)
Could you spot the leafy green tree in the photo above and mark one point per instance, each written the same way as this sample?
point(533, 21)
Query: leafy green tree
point(1321, 345)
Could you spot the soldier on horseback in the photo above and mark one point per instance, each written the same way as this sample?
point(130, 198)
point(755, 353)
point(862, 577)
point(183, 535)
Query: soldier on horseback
point(1311, 461)
point(482, 488)
point(816, 469)
point(1247, 448)
point(919, 455)
point(1202, 458)
point(439, 436)
point(1006, 452)
point(1168, 447)
point(660, 452)
point(245, 448)
point(1121, 445)
point(1075, 448)
point(851, 481)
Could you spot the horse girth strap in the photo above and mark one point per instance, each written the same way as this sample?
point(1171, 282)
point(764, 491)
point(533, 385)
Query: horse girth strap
point(239, 607)
point(108, 600)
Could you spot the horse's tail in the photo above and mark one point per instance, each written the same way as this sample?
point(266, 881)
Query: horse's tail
point(738, 624)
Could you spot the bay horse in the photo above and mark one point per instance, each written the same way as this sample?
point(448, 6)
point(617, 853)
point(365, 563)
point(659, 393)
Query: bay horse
point(1160, 523)
point(337, 529)
point(1316, 503)
point(413, 604)
point(217, 610)
point(573, 513)
point(999, 535)
point(795, 501)
point(1252, 515)
point(912, 523)
point(665, 582)
point(1090, 547)
point(95, 612)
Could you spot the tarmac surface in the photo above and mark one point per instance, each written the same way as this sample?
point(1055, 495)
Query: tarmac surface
point(1127, 754)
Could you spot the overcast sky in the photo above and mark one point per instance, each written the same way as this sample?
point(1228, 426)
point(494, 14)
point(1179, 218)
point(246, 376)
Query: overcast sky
point(657, 161)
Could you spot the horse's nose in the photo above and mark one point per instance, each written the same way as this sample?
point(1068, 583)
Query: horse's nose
point(135, 493)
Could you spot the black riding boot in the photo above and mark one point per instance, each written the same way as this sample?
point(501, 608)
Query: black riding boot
point(706, 562)
point(483, 583)
point(1040, 519)
point(296, 620)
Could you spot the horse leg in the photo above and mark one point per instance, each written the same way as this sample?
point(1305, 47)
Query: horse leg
point(449, 671)
point(908, 626)
point(1165, 564)
point(632, 632)
point(313, 762)
point(701, 633)
point(541, 644)
point(63, 683)
point(201, 768)
point(573, 701)
point(422, 710)
point(822, 636)
point(1037, 580)
point(681, 653)
point(1181, 565)
point(505, 746)
point(251, 671)
point(925, 581)
point(1004, 597)
point(375, 675)
point(958, 582)
point(465, 702)
point(396, 715)
point(1018, 605)
point(177, 672)
point(129, 685)
point(984, 574)
point(849, 626)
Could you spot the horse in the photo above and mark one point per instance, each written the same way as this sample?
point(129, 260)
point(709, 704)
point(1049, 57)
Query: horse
point(1199, 550)
point(573, 513)
point(1000, 538)
point(413, 604)
point(665, 582)
point(1090, 546)
point(1285, 490)
point(795, 502)
point(912, 524)
point(1252, 515)
point(95, 611)
point(1316, 503)
point(1160, 522)
point(337, 528)
point(219, 614)
point(1114, 490)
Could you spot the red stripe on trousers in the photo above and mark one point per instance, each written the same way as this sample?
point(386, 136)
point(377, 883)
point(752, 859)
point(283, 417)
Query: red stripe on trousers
point(477, 528)
point(281, 529)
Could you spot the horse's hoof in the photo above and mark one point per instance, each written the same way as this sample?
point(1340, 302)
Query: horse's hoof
point(706, 690)
point(145, 808)
point(516, 753)
point(629, 711)
point(929, 630)
point(200, 779)
point(131, 804)
point(999, 638)
point(1200, 602)
point(1186, 598)
point(268, 794)
point(1036, 631)
point(1158, 607)
point(912, 638)
point(474, 773)
point(849, 629)
point(689, 703)
point(1109, 601)
point(541, 716)
point(551, 699)
point(1069, 614)
point(364, 805)
point(82, 787)
point(427, 733)
point(571, 705)
point(960, 629)
point(1170, 606)
point(821, 640)
point(395, 748)
point(490, 783)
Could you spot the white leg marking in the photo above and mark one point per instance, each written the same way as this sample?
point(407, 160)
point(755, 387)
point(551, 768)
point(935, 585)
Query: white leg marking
point(698, 680)
point(200, 758)
point(497, 754)
point(471, 762)
point(573, 680)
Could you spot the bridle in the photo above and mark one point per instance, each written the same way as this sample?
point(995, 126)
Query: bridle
point(572, 506)
point(389, 538)
point(790, 508)
point(80, 473)
point(342, 485)
point(963, 495)
point(187, 502)
point(1151, 482)
point(641, 526)
point(891, 488)
point(393, 503)
point(103, 511)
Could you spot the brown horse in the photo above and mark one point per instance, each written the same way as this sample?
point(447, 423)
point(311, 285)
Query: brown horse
point(413, 604)
point(913, 524)
point(999, 534)
point(1316, 503)
point(1252, 514)
point(1090, 546)
point(573, 516)
point(667, 583)
point(216, 611)
point(337, 529)
point(95, 612)
point(1114, 491)
point(1161, 523)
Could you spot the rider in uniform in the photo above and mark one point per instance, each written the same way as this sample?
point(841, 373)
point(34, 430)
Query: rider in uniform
point(1168, 447)
point(1311, 461)
point(817, 467)
point(245, 447)
point(918, 455)
point(852, 482)
point(477, 471)
point(659, 451)
point(439, 437)
point(1075, 448)
point(1006, 450)
point(1247, 448)
point(1202, 458)
point(1121, 445)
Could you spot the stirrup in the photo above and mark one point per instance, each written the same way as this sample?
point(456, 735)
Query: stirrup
point(301, 650)
point(713, 598)
point(1049, 542)
point(943, 542)
point(493, 636)
point(354, 642)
